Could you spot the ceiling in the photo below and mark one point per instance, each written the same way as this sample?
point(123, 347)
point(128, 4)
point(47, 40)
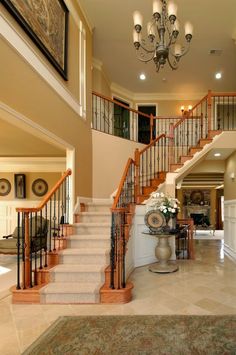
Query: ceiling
point(214, 24)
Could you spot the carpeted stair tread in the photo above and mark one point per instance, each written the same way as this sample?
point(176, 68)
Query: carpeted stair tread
point(92, 224)
point(89, 236)
point(85, 251)
point(70, 287)
point(95, 213)
point(78, 268)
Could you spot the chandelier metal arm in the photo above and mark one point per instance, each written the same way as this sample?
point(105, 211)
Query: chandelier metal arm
point(161, 42)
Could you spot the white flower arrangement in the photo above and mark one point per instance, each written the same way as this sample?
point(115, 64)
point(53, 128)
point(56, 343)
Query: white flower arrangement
point(169, 206)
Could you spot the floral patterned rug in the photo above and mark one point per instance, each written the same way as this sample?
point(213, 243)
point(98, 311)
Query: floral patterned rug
point(138, 335)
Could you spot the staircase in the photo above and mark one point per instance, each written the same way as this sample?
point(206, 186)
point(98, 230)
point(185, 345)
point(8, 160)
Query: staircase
point(81, 270)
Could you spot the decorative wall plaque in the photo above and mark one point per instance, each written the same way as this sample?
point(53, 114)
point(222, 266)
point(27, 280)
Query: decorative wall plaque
point(39, 187)
point(5, 187)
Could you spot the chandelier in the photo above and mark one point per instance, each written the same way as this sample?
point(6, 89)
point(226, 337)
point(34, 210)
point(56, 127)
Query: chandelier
point(162, 34)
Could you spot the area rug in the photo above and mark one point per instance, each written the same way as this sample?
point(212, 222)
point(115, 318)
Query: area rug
point(138, 335)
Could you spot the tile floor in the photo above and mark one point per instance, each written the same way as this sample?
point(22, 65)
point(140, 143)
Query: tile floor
point(206, 285)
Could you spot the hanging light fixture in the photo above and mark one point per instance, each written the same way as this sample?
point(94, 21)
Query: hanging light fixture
point(162, 33)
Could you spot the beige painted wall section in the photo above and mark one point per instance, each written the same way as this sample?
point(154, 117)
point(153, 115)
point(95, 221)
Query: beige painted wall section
point(50, 178)
point(110, 155)
point(230, 184)
point(167, 107)
point(25, 91)
point(16, 142)
point(100, 82)
point(210, 166)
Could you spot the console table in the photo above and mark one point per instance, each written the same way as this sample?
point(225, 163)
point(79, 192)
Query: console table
point(163, 253)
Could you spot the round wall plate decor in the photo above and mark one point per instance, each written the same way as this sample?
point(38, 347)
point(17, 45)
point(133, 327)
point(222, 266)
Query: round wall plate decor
point(154, 220)
point(39, 187)
point(5, 187)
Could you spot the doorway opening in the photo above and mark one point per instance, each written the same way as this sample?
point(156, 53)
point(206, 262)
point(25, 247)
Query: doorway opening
point(144, 124)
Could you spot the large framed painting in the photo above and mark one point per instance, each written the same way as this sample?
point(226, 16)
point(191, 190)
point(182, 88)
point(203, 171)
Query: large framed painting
point(46, 22)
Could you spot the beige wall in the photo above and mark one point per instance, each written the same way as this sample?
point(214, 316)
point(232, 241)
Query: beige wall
point(22, 89)
point(100, 82)
point(16, 142)
point(230, 184)
point(50, 178)
point(110, 155)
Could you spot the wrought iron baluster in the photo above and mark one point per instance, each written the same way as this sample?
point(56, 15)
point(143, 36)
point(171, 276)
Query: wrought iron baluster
point(19, 238)
point(31, 249)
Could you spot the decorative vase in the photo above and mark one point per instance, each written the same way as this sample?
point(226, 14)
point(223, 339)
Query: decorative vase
point(172, 223)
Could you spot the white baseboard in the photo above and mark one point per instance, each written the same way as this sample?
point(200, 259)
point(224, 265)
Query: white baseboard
point(229, 251)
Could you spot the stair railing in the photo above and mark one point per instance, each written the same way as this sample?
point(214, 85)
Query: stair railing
point(124, 199)
point(152, 162)
point(104, 119)
point(40, 232)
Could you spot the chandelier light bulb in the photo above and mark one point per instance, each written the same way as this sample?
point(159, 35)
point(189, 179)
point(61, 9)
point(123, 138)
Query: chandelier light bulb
point(138, 20)
point(172, 9)
point(176, 25)
point(188, 29)
point(150, 29)
point(157, 6)
point(182, 108)
point(178, 50)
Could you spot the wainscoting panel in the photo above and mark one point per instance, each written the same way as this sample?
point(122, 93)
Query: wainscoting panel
point(230, 228)
point(8, 215)
point(144, 245)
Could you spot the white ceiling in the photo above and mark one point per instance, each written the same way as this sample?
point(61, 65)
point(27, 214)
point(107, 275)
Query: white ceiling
point(214, 24)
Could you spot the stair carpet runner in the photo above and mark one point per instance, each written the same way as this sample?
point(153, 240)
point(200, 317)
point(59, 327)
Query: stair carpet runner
point(81, 271)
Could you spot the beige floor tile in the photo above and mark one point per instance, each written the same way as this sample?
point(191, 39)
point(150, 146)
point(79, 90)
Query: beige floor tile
point(206, 285)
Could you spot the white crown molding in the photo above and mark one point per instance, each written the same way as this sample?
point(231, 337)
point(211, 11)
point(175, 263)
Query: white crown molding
point(86, 17)
point(115, 88)
point(98, 64)
point(168, 96)
point(155, 96)
point(28, 125)
point(32, 164)
point(9, 33)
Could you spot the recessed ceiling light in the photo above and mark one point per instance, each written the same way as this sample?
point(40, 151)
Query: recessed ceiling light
point(218, 76)
point(142, 76)
point(217, 154)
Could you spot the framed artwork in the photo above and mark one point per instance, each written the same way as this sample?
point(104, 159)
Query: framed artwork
point(46, 22)
point(5, 187)
point(40, 187)
point(20, 186)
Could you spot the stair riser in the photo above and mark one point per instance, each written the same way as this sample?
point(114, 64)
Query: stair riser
point(92, 230)
point(94, 219)
point(85, 259)
point(98, 208)
point(65, 298)
point(88, 243)
point(78, 277)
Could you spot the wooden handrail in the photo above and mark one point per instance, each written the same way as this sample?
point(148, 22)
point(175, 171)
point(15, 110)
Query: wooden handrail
point(47, 197)
point(129, 162)
point(225, 94)
point(152, 143)
point(120, 104)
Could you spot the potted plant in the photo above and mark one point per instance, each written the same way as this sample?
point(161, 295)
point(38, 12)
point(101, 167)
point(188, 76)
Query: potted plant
point(168, 206)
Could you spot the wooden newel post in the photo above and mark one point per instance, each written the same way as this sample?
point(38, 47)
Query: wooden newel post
point(151, 127)
point(26, 270)
point(209, 112)
point(137, 169)
point(171, 145)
